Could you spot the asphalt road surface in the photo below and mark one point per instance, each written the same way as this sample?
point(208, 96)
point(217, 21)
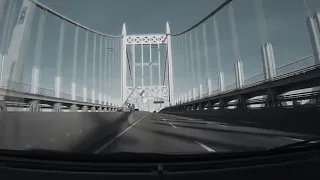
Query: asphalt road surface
point(169, 134)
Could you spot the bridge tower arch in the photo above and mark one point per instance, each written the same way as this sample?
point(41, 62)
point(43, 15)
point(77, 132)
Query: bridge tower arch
point(130, 87)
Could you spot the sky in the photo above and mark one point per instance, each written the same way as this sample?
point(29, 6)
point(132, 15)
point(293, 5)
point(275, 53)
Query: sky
point(285, 29)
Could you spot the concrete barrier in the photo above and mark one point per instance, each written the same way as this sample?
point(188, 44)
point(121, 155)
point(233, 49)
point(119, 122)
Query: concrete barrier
point(75, 132)
point(299, 119)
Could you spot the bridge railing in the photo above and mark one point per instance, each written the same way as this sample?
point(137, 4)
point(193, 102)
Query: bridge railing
point(230, 87)
point(300, 65)
point(12, 85)
point(46, 92)
point(79, 98)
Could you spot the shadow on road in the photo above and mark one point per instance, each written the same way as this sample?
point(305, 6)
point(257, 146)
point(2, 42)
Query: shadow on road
point(104, 131)
point(193, 139)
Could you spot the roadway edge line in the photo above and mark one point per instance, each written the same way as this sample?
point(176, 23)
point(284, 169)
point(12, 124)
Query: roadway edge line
point(120, 134)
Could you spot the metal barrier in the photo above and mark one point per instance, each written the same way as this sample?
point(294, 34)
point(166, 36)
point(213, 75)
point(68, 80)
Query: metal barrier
point(295, 66)
point(12, 85)
point(215, 92)
point(65, 95)
point(254, 80)
point(46, 92)
point(79, 98)
point(231, 87)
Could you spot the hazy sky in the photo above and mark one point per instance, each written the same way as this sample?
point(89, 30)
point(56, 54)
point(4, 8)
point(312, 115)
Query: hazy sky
point(285, 21)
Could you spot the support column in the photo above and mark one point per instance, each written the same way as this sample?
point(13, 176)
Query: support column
point(60, 59)
point(201, 106)
point(34, 106)
point(222, 104)
point(170, 68)
point(317, 19)
point(314, 36)
point(84, 109)
point(123, 65)
point(190, 95)
point(74, 65)
point(57, 86)
point(93, 93)
point(209, 87)
point(221, 81)
point(194, 91)
point(73, 108)
point(105, 80)
point(159, 70)
point(272, 65)
point(268, 61)
point(200, 91)
point(38, 54)
point(150, 65)
point(272, 99)
point(242, 102)
point(239, 74)
point(3, 106)
point(19, 42)
point(85, 67)
point(93, 109)
point(57, 107)
point(209, 105)
point(100, 71)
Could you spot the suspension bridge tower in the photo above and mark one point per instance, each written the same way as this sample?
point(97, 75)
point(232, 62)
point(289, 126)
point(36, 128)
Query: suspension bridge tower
point(141, 55)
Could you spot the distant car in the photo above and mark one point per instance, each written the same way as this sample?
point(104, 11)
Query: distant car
point(136, 109)
point(154, 111)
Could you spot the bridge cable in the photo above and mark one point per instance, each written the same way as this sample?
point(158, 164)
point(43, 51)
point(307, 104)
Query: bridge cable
point(128, 61)
point(164, 73)
point(212, 13)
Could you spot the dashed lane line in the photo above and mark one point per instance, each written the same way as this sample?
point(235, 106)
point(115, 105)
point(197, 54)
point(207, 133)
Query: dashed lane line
point(205, 147)
point(173, 125)
point(294, 139)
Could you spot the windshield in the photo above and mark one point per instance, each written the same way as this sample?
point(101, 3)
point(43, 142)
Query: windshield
point(168, 77)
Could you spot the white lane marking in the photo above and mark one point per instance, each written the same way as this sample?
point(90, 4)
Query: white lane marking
point(28, 146)
point(205, 147)
point(294, 139)
point(111, 141)
point(173, 125)
point(221, 125)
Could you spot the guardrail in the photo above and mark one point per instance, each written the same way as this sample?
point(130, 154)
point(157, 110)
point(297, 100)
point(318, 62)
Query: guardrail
point(301, 66)
point(46, 92)
point(22, 87)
